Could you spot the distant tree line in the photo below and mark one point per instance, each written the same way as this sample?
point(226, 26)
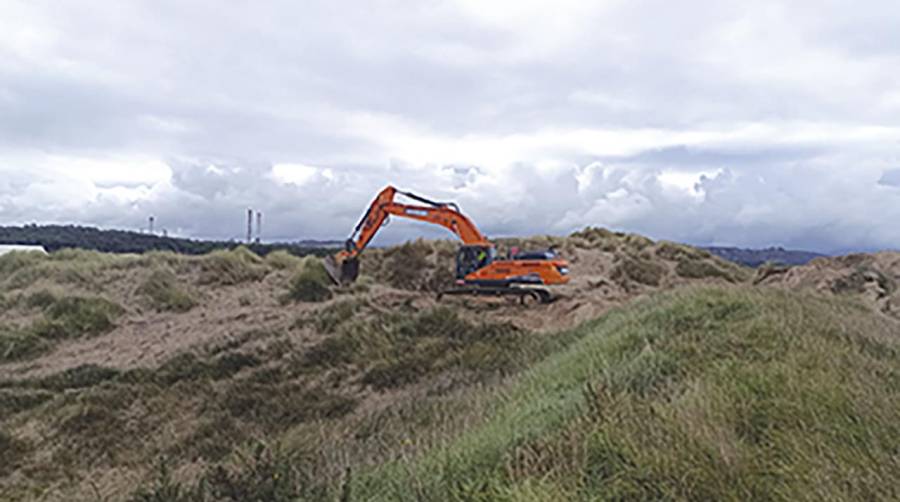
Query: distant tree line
point(756, 257)
point(54, 237)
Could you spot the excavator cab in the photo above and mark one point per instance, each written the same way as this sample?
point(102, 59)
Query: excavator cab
point(472, 258)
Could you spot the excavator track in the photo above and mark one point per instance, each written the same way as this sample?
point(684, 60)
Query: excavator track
point(524, 294)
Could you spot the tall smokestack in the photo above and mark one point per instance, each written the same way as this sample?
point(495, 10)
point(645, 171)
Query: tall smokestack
point(249, 226)
point(258, 226)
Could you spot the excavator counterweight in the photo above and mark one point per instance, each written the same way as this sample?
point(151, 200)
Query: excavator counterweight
point(478, 270)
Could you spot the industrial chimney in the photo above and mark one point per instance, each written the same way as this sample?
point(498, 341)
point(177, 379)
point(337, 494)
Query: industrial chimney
point(258, 226)
point(249, 225)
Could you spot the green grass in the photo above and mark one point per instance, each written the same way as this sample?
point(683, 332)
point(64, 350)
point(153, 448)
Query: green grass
point(713, 394)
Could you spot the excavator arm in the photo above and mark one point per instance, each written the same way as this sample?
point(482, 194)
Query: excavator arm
point(344, 266)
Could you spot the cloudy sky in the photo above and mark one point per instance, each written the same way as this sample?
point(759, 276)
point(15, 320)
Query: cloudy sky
point(711, 122)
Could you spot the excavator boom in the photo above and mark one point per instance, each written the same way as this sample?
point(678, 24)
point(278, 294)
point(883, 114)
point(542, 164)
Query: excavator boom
point(344, 267)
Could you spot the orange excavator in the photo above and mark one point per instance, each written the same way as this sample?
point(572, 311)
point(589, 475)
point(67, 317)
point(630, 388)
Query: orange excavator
point(478, 269)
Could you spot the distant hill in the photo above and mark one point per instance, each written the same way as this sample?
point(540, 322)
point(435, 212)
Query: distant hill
point(54, 237)
point(757, 257)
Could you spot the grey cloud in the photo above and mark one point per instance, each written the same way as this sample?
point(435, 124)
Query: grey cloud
point(691, 156)
point(243, 87)
point(890, 177)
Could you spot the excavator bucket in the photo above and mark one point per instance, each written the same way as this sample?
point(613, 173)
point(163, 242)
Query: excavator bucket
point(343, 272)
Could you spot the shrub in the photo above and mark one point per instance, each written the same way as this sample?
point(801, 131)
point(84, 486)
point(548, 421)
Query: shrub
point(91, 433)
point(310, 284)
point(677, 252)
point(59, 272)
point(399, 370)
point(408, 349)
point(166, 489)
point(6, 303)
point(74, 316)
point(282, 260)
point(331, 316)
point(17, 260)
point(405, 266)
point(769, 269)
point(188, 366)
point(162, 291)
point(231, 363)
point(638, 270)
point(184, 366)
point(213, 439)
point(857, 280)
point(637, 242)
point(277, 407)
point(12, 452)
point(268, 473)
point(594, 234)
point(18, 344)
point(439, 322)
point(702, 269)
point(330, 352)
point(232, 267)
point(86, 375)
point(40, 299)
point(13, 401)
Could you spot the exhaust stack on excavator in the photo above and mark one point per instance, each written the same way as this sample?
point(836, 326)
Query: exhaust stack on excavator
point(478, 270)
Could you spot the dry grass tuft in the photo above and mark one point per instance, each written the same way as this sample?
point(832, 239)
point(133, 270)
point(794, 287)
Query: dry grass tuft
point(638, 270)
point(283, 260)
point(76, 316)
point(228, 268)
point(163, 293)
point(311, 283)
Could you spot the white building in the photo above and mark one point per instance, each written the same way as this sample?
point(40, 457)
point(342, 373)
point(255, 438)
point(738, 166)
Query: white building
point(7, 248)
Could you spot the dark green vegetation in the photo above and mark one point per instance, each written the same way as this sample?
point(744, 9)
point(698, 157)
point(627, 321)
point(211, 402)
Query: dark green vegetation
point(54, 237)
